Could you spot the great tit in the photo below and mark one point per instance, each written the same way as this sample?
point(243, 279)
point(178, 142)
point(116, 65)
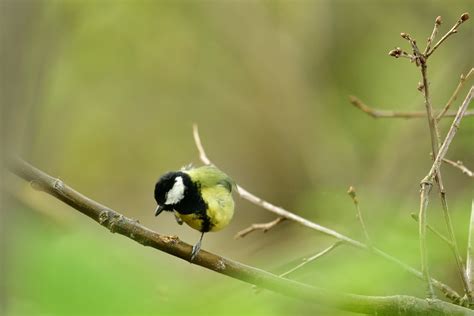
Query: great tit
point(201, 197)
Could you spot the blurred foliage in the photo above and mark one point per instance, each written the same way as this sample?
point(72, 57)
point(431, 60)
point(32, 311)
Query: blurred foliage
point(103, 95)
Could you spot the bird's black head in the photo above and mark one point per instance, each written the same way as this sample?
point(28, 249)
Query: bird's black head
point(169, 190)
point(176, 191)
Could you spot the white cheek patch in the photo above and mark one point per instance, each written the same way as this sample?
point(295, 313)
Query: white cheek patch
point(176, 193)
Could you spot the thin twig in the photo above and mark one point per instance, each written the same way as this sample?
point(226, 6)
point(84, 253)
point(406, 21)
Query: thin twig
point(421, 60)
point(432, 123)
point(470, 249)
point(260, 226)
point(450, 136)
point(425, 187)
point(464, 17)
point(433, 230)
point(424, 200)
point(353, 195)
point(433, 174)
point(118, 223)
point(437, 23)
point(398, 53)
point(376, 113)
point(416, 51)
point(462, 80)
point(312, 258)
point(446, 290)
point(459, 164)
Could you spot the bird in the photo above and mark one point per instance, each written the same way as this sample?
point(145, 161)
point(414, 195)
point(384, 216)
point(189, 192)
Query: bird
point(201, 197)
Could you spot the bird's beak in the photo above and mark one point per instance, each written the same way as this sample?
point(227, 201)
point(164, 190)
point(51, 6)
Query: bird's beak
point(158, 210)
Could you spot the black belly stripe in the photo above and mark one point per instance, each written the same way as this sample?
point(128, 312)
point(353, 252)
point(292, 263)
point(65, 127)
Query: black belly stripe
point(206, 222)
point(193, 203)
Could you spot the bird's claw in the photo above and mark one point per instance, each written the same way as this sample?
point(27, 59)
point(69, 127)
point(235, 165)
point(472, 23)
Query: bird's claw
point(195, 251)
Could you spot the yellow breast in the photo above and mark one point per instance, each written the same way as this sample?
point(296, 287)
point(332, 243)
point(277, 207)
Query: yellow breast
point(220, 206)
point(220, 209)
point(192, 220)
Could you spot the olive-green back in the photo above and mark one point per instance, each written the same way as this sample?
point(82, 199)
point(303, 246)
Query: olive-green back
point(210, 176)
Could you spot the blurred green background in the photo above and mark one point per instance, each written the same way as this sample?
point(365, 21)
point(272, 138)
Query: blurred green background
point(103, 95)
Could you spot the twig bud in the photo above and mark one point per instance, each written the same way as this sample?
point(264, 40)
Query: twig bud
point(465, 17)
point(397, 52)
point(438, 20)
point(405, 35)
point(352, 193)
point(420, 86)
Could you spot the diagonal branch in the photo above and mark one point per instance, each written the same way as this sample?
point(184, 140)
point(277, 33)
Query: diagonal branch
point(376, 113)
point(446, 290)
point(118, 223)
point(312, 258)
point(434, 173)
point(450, 136)
point(433, 230)
point(459, 164)
point(454, 96)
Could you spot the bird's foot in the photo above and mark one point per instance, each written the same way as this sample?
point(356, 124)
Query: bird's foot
point(195, 251)
point(196, 248)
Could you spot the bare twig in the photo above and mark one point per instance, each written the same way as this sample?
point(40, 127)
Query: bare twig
point(425, 187)
point(432, 123)
point(433, 230)
point(421, 60)
point(426, 184)
point(470, 249)
point(416, 51)
point(376, 113)
point(437, 23)
point(464, 17)
point(400, 53)
point(446, 290)
point(200, 148)
point(260, 226)
point(459, 164)
point(450, 136)
point(435, 172)
point(312, 258)
point(424, 200)
point(462, 80)
point(118, 223)
point(352, 194)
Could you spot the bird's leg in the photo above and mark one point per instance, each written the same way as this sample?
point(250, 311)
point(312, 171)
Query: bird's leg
point(178, 219)
point(196, 248)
